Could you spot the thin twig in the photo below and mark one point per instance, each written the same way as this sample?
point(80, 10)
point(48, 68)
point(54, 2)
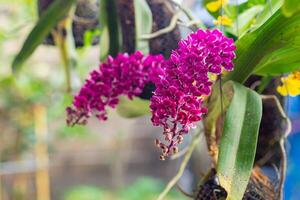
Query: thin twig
point(162, 31)
point(221, 97)
point(283, 167)
point(62, 41)
point(179, 154)
point(289, 126)
point(265, 158)
point(237, 18)
point(190, 23)
point(187, 157)
point(184, 192)
point(183, 9)
point(84, 21)
point(221, 13)
point(188, 14)
point(281, 143)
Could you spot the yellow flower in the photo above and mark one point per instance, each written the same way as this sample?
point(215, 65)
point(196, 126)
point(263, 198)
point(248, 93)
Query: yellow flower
point(290, 85)
point(223, 20)
point(216, 5)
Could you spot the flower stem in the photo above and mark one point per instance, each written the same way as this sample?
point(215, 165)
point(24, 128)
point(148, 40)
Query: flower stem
point(63, 39)
point(186, 158)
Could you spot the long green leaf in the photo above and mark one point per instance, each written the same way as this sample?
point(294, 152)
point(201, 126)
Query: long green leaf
point(279, 62)
point(270, 7)
point(110, 39)
point(277, 34)
point(239, 139)
point(45, 24)
point(143, 24)
point(246, 19)
point(290, 7)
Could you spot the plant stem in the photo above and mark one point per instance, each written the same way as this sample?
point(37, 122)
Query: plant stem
point(64, 55)
point(165, 30)
point(186, 158)
point(63, 39)
point(184, 10)
point(187, 13)
point(264, 82)
point(281, 143)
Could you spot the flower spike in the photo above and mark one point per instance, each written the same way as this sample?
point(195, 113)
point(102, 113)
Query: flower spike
point(177, 103)
point(123, 75)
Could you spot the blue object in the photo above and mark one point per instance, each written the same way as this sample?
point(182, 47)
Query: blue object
point(292, 184)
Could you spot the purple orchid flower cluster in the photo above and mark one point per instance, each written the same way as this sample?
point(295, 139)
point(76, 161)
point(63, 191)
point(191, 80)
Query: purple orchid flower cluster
point(177, 103)
point(182, 82)
point(123, 75)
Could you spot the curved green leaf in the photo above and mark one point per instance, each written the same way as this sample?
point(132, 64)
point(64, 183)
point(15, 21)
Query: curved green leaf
point(56, 11)
point(239, 139)
point(279, 62)
point(143, 24)
point(133, 108)
point(270, 7)
point(246, 19)
point(277, 34)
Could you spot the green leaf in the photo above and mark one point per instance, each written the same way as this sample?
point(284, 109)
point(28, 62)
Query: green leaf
point(290, 7)
point(56, 11)
point(239, 139)
point(104, 43)
point(270, 7)
point(214, 107)
point(89, 36)
point(246, 19)
point(279, 62)
point(110, 39)
point(276, 35)
point(133, 108)
point(143, 24)
point(255, 2)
